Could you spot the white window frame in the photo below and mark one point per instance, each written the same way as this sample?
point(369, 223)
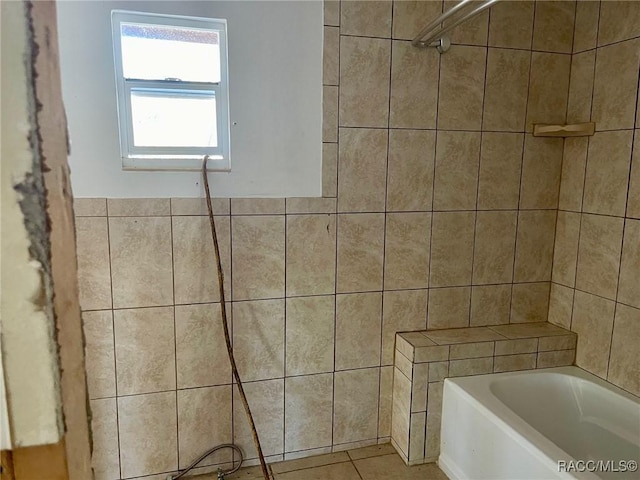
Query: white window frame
point(171, 158)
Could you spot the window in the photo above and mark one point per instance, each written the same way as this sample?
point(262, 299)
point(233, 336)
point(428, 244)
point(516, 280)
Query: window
point(171, 83)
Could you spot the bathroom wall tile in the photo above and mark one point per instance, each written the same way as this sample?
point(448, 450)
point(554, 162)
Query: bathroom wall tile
point(548, 88)
point(557, 342)
point(329, 114)
point(511, 25)
point(456, 335)
point(414, 81)
point(262, 319)
point(599, 255)
point(403, 364)
point(198, 206)
point(201, 351)
point(619, 20)
point(534, 247)
point(419, 382)
point(490, 305)
point(198, 432)
point(581, 87)
point(401, 409)
point(451, 248)
point(99, 353)
point(511, 363)
point(410, 169)
point(364, 81)
point(360, 252)
point(329, 169)
point(411, 16)
point(355, 415)
point(623, 364)
point(406, 261)
point(494, 247)
point(257, 206)
point(586, 25)
point(530, 302)
point(505, 98)
point(541, 171)
point(528, 330)
point(438, 371)
point(416, 437)
point(558, 358)
point(511, 347)
point(311, 254)
point(403, 310)
point(629, 288)
point(565, 253)
point(607, 176)
point(611, 93)
point(308, 411)
point(147, 427)
point(266, 400)
point(474, 31)
point(307, 205)
point(462, 73)
point(500, 166)
point(140, 253)
point(310, 335)
point(105, 460)
point(331, 12)
point(358, 330)
point(574, 164)
point(432, 443)
point(633, 200)
point(94, 275)
point(593, 322)
point(194, 261)
point(560, 305)
point(258, 257)
point(90, 207)
point(473, 366)
point(366, 18)
point(331, 56)
point(362, 170)
point(456, 177)
point(145, 350)
point(470, 350)
point(448, 307)
point(431, 353)
point(553, 29)
point(138, 207)
point(384, 402)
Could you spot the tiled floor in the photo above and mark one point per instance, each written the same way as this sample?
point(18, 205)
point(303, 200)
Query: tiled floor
point(370, 463)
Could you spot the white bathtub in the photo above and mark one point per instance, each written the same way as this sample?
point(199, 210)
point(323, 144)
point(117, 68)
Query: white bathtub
point(519, 425)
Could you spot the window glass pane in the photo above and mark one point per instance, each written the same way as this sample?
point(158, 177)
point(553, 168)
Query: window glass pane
point(160, 52)
point(174, 119)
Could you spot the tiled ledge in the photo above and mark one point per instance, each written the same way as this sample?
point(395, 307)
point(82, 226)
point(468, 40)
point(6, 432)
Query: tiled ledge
point(424, 359)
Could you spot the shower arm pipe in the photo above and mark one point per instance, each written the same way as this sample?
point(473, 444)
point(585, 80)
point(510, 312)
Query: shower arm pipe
point(437, 38)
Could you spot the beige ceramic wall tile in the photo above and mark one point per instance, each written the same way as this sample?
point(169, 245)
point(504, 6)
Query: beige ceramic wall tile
point(623, 364)
point(403, 311)
point(599, 255)
point(362, 170)
point(414, 81)
point(560, 305)
point(258, 257)
point(364, 81)
point(456, 176)
point(331, 56)
point(500, 166)
point(145, 350)
point(511, 347)
point(494, 247)
point(311, 254)
point(548, 88)
point(198, 206)
point(406, 261)
point(619, 20)
point(147, 427)
point(201, 351)
point(574, 164)
point(593, 322)
point(456, 336)
point(266, 400)
point(451, 248)
point(511, 25)
point(358, 330)
point(331, 12)
point(462, 73)
point(355, 415)
point(490, 305)
point(360, 252)
point(105, 460)
point(140, 254)
point(309, 335)
point(511, 363)
point(90, 207)
point(534, 247)
point(553, 29)
point(199, 427)
point(416, 437)
point(448, 307)
point(529, 302)
point(411, 16)
point(366, 18)
point(581, 87)
point(329, 169)
point(384, 409)
point(410, 170)
point(99, 353)
point(94, 274)
point(505, 98)
point(541, 171)
point(258, 339)
point(586, 25)
point(194, 261)
point(565, 254)
point(612, 94)
point(329, 114)
point(629, 288)
point(633, 201)
point(138, 207)
point(473, 31)
point(308, 412)
point(257, 206)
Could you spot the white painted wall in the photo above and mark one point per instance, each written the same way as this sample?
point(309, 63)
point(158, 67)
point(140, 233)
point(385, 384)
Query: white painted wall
point(275, 87)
